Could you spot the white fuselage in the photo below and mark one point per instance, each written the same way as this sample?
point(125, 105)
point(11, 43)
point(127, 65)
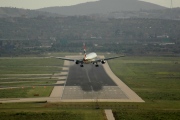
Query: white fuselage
point(89, 58)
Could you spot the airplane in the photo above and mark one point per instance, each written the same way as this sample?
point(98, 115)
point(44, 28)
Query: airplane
point(89, 58)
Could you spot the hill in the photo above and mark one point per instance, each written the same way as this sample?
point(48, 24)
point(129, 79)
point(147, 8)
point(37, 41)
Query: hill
point(102, 7)
point(155, 14)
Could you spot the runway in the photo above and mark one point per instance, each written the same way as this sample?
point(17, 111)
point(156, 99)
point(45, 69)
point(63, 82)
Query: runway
point(90, 82)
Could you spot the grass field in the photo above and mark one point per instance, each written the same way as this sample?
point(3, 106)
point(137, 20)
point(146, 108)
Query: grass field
point(28, 71)
point(29, 65)
point(47, 111)
point(151, 78)
point(155, 79)
point(26, 92)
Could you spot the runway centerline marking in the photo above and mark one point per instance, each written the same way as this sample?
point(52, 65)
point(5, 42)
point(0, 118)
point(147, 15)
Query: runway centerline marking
point(92, 88)
point(88, 75)
point(89, 79)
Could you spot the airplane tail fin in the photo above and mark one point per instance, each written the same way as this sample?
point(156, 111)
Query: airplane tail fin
point(84, 46)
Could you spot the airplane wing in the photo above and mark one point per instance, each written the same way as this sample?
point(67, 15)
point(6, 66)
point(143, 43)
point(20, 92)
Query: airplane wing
point(69, 59)
point(63, 58)
point(112, 57)
point(94, 61)
point(103, 60)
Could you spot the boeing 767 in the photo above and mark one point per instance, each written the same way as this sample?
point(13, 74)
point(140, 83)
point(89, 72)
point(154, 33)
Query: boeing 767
point(89, 58)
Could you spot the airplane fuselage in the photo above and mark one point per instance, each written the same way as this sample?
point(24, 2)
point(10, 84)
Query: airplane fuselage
point(89, 58)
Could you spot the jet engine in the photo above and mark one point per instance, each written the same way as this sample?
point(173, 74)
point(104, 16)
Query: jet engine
point(103, 61)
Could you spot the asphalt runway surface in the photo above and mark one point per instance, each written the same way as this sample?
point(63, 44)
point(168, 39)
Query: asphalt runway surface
point(90, 82)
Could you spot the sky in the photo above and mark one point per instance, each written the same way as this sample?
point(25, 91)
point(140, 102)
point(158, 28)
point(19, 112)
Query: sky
point(35, 4)
point(166, 3)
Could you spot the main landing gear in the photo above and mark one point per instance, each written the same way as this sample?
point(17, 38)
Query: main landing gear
point(97, 65)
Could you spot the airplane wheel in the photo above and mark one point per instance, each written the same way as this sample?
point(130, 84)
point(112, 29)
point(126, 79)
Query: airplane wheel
point(81, 65)
point(97, 65)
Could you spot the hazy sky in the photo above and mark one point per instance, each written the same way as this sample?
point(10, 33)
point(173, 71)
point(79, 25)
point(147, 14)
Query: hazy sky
point(166, 3)
point(34, 4)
